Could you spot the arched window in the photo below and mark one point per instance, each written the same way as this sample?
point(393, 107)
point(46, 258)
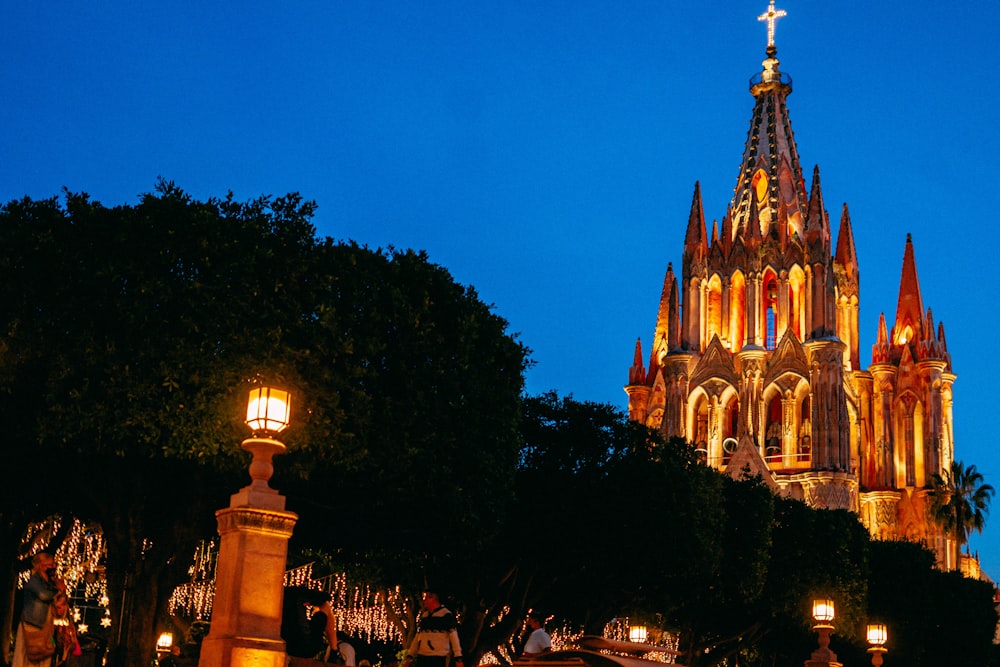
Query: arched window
point(796, 301)
point(701, 422)
point(770, 296)
point(737, 312)
point(714, 327)
point(805, 430)
point(772, 434)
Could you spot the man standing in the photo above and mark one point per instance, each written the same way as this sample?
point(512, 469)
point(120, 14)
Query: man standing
point(538, 641)
point(33, 646)
point(437, 636)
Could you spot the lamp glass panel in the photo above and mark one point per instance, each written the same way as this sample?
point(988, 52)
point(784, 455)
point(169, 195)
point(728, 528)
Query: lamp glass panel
point(165, 641)
point(877, 634)
point(267, 409)
point(823, 610)
point(637, 633)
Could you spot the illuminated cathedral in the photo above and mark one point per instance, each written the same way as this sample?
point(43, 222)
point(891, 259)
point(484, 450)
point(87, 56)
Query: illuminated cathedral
point(755, 356)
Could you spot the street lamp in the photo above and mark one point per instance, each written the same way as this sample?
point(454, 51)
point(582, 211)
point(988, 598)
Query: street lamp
point(253, 549)
point(637, 633)
point(268, 411)
point(165, 641)
point(877, 636)
point(823, 613)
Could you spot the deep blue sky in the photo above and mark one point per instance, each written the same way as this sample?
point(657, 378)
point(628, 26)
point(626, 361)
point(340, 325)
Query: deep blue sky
point(544, 153)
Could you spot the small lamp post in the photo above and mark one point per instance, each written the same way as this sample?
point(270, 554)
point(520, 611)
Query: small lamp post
point(165, 641)
point(823, 613)
point(637, 634)
point(877, 636)
point(253, 550)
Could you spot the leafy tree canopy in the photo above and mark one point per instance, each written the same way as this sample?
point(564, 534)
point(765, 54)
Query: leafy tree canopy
point(129, 336)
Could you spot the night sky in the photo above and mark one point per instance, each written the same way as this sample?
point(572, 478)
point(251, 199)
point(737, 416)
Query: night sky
point(545, 153)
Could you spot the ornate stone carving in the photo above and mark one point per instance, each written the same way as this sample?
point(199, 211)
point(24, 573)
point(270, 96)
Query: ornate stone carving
point(250, 519)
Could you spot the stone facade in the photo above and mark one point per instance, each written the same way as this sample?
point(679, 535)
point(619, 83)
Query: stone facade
point(755, 356)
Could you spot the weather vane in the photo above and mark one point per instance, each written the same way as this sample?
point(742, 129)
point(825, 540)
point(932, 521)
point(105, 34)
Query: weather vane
point(771, 16)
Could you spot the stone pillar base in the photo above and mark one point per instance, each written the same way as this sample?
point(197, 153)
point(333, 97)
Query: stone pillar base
point(249, 589)
point(242, 651)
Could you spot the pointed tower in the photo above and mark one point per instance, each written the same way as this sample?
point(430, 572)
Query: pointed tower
point(761, 350)
point(847, 291)
point(912, 436)
point(755, 356)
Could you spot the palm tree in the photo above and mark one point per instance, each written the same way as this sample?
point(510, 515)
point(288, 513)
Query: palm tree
point(961, 502)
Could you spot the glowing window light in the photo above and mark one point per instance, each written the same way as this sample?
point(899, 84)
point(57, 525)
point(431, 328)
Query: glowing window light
point(268, 409)
point(823, 610)
point(637, 633)
point(877, 634)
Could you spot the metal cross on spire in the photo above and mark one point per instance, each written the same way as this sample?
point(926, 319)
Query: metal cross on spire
point(771, 16)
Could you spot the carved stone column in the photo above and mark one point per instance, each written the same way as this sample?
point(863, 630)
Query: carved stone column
point(249, 577)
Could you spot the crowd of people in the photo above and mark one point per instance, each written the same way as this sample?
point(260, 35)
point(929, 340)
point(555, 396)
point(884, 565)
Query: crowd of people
point(46, 634)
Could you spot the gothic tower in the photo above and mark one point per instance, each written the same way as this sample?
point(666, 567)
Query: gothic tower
point(755, 356)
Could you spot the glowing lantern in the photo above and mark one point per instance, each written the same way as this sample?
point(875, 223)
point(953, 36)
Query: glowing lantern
point(637, 633)
point(268, 409)
point(165, 641)
point(877, 634)
point(823, 610)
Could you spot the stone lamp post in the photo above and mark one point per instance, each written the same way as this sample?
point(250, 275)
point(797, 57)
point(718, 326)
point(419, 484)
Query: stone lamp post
point(254, 530)
point(823, 615)
point(877, 636)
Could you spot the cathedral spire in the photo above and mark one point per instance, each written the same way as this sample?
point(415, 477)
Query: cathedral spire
point(667, 334)
point(880, 350)
point(637, 373)
point(817, 224)
point(695, 241)
point(770, 178)
point(847, 254)
point(909, 308)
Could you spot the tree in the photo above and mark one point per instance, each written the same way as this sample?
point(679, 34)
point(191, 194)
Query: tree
point(933, 617)
point(129, 335)
point(961, 502)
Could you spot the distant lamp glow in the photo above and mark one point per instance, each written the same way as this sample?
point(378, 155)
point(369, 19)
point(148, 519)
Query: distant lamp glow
point(877, 636)
point(637, 633)
point(165, 641)
point(823, 610)
point(267, 410)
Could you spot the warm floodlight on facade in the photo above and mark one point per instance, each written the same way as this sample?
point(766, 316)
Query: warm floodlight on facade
point(637, 633)
point(268, 410)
